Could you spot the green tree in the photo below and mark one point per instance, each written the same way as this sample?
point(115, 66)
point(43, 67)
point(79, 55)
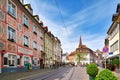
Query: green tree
point(80, 56)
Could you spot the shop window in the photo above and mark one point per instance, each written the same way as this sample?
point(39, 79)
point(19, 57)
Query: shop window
point(18, 61)
point(35, 61)
point(26, 60)
point(12, 59)
point(5, 61)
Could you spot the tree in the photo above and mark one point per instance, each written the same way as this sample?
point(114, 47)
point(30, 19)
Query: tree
point(80, 56)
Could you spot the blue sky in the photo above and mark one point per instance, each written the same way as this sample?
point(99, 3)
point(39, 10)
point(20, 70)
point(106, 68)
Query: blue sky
point(89, 19)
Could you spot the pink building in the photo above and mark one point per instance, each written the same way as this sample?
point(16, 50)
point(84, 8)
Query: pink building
point(21, 37)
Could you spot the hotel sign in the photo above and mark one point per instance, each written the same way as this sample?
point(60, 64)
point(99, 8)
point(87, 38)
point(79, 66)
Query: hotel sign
point(23, 50)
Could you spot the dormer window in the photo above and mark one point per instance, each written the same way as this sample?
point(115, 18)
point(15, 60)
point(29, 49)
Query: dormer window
point(28, 7)
point(11, 9)
point(36, 17)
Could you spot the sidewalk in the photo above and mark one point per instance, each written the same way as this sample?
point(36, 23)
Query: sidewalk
point(23, 74)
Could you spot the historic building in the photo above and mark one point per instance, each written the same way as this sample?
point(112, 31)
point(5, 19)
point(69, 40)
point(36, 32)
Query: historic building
point(86, 54)
point(113, 38)
point(22, 37)
point(52, 49)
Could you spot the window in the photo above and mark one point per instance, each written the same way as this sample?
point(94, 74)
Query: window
point(26, 42)
point(26, 60)
point(11, 34)
point(115, 31)
point(5, 61)
point(41, 35)
point(35, 45)
point(114, 47)
point(12, 59)
point(11, 8)
point(41, 48)
point(35, 29)
point(25, 21)
point(35, 61)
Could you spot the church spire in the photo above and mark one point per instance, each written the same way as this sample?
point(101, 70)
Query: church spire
point(80, 42)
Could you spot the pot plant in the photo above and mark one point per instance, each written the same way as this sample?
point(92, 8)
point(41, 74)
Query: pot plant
point(116, 62)
point(92, 71)
point(106, 75)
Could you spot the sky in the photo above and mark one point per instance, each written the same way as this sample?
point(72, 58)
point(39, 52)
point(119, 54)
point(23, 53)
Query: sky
point(70, 19)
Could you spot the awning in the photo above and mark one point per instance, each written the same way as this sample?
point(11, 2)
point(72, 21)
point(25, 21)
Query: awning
point(113, 55)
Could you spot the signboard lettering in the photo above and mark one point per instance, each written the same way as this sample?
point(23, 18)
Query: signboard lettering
point(23, 50)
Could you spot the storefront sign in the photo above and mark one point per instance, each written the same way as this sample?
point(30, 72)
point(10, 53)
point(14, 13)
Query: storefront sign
point(12, 47)
point(2, 16)
point(2, 46)
point(110, 53)
point(23, 50)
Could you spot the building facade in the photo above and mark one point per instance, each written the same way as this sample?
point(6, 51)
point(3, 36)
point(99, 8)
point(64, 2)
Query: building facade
point(113, 38)
point(53, 49)
point(21, 36)
point(86, 54)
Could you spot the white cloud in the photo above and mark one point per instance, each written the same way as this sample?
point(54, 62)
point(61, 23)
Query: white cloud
point(88, 16)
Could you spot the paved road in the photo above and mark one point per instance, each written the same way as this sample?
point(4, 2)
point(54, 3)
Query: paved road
point(66, 73)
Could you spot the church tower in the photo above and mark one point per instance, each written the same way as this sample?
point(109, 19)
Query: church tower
point(80, 42)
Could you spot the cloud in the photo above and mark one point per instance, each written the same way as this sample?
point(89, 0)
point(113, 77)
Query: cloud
point(81, 20)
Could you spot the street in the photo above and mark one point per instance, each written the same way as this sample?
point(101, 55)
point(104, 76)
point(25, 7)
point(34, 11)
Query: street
point(63, 73)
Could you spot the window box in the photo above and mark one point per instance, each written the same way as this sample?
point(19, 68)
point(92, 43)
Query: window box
point(26, 25)
point(26, 45)
point(12, 40)
point(35, 33)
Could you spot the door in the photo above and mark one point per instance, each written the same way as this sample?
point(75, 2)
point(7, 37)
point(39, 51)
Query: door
point(41, 63)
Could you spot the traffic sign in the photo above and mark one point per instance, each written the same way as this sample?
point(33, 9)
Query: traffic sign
point(105, 49)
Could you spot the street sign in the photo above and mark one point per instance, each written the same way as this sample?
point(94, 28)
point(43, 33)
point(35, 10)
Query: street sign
point(110, 53)
point(105, 49)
